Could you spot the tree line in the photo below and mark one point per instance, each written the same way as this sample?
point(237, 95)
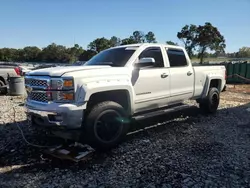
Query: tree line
point(200, 41)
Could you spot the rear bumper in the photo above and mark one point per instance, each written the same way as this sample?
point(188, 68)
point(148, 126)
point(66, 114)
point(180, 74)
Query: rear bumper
point(68, 116)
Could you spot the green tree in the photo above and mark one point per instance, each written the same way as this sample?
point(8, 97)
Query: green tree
point(188, 36)
point(74, 53)
point(115, 41)
point(150, 37)
point(244, 52)
point(55, 53)
point(87, 55)
point(201, 38)
point(30, 53)
point(99, 44)
point(129, 40)
point(171, 43)
point(9, 54)
point(208, 37)
point(138, 37)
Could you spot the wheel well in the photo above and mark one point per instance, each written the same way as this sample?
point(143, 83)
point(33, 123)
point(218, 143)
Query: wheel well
point(215, 83)
point(119, 96)
point(3, 80)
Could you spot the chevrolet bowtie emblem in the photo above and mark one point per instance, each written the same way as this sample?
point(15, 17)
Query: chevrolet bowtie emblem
point(28, 89)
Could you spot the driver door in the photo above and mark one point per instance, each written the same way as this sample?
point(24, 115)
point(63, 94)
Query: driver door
point(151, 82)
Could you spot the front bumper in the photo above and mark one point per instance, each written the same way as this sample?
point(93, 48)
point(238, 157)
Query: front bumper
point(68, 116)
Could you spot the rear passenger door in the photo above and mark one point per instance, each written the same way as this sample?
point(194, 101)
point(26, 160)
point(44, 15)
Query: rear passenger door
point(181, 74)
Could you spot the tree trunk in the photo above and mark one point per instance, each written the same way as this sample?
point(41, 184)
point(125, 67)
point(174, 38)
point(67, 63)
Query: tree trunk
point(201, 58)
point(202, 54)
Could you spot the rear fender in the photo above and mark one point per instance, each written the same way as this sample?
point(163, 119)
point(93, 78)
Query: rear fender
point(207, 84)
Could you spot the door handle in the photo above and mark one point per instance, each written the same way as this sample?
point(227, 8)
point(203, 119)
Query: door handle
point(189, 73)
point(164, 75)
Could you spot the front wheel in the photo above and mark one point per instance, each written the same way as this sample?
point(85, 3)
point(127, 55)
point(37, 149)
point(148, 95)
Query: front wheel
point(106, 125)
point(211, 102)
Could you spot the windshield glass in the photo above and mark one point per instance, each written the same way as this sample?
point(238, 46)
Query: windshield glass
point(116, 57)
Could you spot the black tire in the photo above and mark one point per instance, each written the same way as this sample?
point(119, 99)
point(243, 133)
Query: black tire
point(97, 129)
point(3, 91)
point(211, 102)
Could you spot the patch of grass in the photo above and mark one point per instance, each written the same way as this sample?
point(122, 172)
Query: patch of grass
point(217, 60)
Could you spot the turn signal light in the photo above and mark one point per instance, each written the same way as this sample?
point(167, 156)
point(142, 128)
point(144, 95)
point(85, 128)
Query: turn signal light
point(68, 83)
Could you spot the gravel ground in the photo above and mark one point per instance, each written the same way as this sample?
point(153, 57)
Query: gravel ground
point(186, 149)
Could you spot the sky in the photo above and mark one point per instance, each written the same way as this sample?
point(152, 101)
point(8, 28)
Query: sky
point(65, 22)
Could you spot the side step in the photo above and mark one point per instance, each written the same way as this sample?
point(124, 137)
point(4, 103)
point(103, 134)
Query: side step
point(161, 111)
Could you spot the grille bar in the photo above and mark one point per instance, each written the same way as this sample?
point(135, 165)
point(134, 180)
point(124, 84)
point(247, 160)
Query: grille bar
point(38, 96)
point(33, 82)
point(41, 82)
point(36, 88)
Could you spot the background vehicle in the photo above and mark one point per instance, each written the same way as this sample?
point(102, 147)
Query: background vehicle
point(44, 66)
point(7, 69)
point(79, 63)
point(132, 81)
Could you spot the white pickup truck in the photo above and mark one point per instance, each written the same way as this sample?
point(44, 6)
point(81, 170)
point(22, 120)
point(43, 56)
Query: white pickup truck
point(137, 81)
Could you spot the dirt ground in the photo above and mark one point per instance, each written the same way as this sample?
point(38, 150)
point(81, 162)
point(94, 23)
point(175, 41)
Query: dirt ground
point(185, 149)
point(242, 88)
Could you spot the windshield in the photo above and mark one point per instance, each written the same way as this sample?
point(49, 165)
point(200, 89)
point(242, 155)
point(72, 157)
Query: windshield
point(116, 57)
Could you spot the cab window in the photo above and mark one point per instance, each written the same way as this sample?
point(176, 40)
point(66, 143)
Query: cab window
point(176, 58)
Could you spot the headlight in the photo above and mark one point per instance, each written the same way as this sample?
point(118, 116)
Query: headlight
point(63, 83)
point(62, 90)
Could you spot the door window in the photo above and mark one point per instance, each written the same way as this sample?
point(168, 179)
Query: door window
point(153, 52)
point(176, 58)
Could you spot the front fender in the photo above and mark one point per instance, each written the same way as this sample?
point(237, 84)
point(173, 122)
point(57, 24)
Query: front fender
point(84, 91)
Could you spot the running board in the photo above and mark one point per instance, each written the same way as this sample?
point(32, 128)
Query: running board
point(160, 112)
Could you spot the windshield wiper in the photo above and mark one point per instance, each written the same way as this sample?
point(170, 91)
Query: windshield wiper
point(101, 63)
point(107, 63)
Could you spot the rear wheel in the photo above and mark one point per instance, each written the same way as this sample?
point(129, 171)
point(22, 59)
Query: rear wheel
point(106, 125)
point(211, 102)
point(3, 91)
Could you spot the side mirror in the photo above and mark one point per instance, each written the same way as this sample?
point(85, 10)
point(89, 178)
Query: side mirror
point(144, 62)
point(147, 60)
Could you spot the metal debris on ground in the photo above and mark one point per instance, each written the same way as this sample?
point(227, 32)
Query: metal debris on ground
point(75, 152)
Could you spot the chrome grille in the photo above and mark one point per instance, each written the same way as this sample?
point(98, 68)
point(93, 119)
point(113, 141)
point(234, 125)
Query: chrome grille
point(36, 87)
point(36, 83)
point(38, 96)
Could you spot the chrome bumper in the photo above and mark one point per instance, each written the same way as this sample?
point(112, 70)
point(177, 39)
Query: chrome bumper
point(69, 116)
point(42, 114)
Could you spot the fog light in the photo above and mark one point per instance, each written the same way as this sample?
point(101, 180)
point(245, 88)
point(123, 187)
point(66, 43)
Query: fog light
point(55, 118)
point(58, 118)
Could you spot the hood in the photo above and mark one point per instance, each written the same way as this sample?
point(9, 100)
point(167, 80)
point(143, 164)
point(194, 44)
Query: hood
point(59, 71)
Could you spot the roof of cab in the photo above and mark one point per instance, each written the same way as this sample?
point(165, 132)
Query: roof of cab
point(148, 44)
